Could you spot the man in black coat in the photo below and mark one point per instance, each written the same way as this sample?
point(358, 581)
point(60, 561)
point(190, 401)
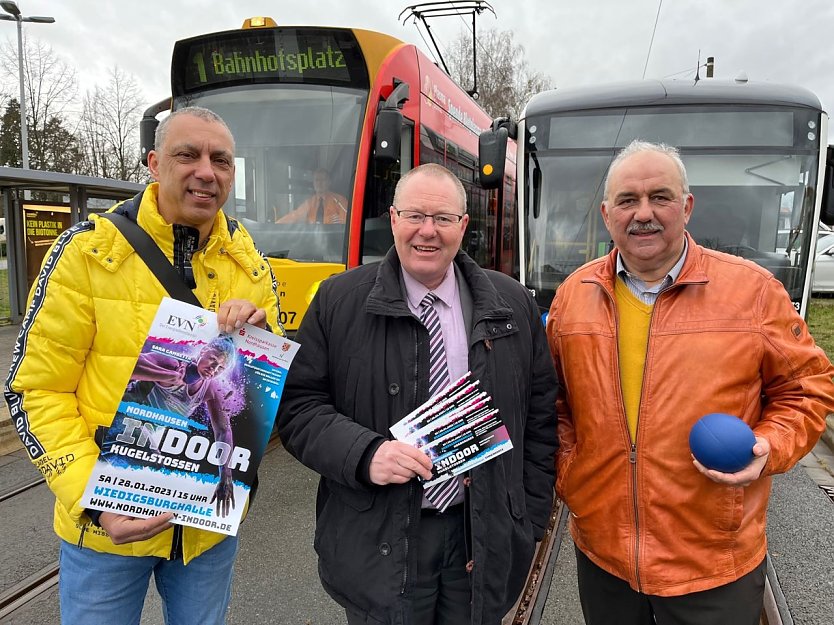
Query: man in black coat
point(386, 553)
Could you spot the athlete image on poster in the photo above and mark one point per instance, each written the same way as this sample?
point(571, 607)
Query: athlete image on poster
point(185, 385)
point(193, 422)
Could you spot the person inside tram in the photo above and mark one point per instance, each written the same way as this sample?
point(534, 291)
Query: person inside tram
point(323, 207)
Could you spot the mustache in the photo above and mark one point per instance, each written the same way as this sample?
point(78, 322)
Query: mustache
point(644, 226)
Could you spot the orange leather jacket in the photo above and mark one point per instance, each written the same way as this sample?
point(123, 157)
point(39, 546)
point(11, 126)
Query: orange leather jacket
point(724, 338)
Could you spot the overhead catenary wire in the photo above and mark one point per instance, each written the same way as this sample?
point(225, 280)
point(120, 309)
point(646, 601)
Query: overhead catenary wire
point(447, 8)
point(426, 43)
point(651, 42)
point(683, 71)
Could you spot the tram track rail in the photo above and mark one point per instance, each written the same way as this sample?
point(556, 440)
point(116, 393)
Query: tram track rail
point(21, 489)
point(35, 584)
point(775, 610)
point(533, 598)
point(30, 588)
point(46, 579)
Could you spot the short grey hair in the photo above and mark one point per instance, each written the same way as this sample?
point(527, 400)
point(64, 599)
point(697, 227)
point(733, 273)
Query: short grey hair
point(436, 171)
point(195, 111)
point(638, 147)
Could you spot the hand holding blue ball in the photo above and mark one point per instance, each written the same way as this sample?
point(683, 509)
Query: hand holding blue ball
point(722, 442)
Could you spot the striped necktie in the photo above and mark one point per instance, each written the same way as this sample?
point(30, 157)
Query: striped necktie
point(440, 495)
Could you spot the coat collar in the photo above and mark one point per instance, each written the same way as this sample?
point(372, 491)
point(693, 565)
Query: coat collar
point(110, 248)
point(387, 296)
point(692, 271)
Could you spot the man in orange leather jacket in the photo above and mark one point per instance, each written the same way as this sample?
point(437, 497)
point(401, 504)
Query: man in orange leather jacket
point(646, 341)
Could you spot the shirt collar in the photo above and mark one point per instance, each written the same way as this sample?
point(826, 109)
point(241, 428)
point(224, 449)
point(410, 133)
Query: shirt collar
point(670, 278)
point(416, 291)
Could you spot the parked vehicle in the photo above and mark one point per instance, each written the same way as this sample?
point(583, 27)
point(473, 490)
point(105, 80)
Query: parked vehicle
point(824, 265)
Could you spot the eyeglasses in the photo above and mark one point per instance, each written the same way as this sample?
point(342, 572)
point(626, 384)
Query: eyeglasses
point(441, 220)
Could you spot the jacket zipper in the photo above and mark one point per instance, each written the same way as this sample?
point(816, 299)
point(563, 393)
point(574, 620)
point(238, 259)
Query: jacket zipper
point(80, 543)
point(632, 458)
point(411, 484)
point(405, 538)
point(632, 455)
point(176, 543)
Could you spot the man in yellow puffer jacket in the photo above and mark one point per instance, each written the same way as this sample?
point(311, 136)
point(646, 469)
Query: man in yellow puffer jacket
point(89, 314)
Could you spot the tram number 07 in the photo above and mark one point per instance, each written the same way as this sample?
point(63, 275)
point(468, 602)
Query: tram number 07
point(286, 317)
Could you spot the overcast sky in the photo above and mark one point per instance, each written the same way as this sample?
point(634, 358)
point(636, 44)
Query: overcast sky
point(574, 42)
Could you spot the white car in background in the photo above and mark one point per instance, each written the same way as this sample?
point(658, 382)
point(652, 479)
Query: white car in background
point(824, 265)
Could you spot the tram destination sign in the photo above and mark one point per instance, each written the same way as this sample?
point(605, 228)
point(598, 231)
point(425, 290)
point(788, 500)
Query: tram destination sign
point(273, 55)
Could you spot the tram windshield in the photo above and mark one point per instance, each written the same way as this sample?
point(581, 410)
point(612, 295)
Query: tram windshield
point(295, 160)
point(753, 172)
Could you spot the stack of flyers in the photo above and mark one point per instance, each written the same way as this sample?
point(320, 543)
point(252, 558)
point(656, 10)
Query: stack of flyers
point(458, 429)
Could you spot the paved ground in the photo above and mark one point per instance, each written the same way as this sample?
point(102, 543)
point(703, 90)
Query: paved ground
point(276, 579)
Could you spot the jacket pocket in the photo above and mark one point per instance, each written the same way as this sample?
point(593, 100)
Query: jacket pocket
point(358, 499)
point(518, 505)
point(360, 553)
point(563, 466)
point(732, 509)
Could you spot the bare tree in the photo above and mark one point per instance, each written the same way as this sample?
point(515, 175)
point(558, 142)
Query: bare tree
point(50, 86)
point(108, 131)
point(505, 81)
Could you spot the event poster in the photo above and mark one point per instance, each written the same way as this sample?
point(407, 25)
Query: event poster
point(458, 429)
point(193, 423)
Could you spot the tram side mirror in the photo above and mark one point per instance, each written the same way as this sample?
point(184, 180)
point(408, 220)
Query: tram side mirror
point(537, 191)
point(492, 156)
point(389, 127)
point(827, 210)
point(147, 130)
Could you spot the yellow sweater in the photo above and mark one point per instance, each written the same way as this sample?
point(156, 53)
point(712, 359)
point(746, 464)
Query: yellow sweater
point(632, 340)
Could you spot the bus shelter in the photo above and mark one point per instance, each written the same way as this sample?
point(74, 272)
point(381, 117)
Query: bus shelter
point(37, 206)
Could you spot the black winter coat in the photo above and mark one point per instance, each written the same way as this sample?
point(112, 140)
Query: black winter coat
point(362, 366)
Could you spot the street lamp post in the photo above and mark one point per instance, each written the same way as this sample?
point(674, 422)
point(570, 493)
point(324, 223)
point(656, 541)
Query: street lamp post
point(14, 15)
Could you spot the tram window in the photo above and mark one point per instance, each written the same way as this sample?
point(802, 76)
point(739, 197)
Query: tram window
point(377, 238)
point(244, 191)
point(685, 127)
point(432, 147)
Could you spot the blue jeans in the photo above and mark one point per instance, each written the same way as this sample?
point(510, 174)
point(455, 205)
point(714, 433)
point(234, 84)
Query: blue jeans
point(104, 588)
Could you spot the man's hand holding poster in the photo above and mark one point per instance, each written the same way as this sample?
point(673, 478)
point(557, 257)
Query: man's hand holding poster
point(193, 422)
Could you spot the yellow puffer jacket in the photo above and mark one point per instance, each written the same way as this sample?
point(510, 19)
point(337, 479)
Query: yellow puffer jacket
point(89, 314)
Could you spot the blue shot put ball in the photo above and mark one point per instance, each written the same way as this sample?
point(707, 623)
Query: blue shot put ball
point(722, 442)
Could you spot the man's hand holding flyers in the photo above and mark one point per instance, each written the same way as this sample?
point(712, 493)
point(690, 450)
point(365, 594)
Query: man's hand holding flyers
point(397, 463)
point(457, 429)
